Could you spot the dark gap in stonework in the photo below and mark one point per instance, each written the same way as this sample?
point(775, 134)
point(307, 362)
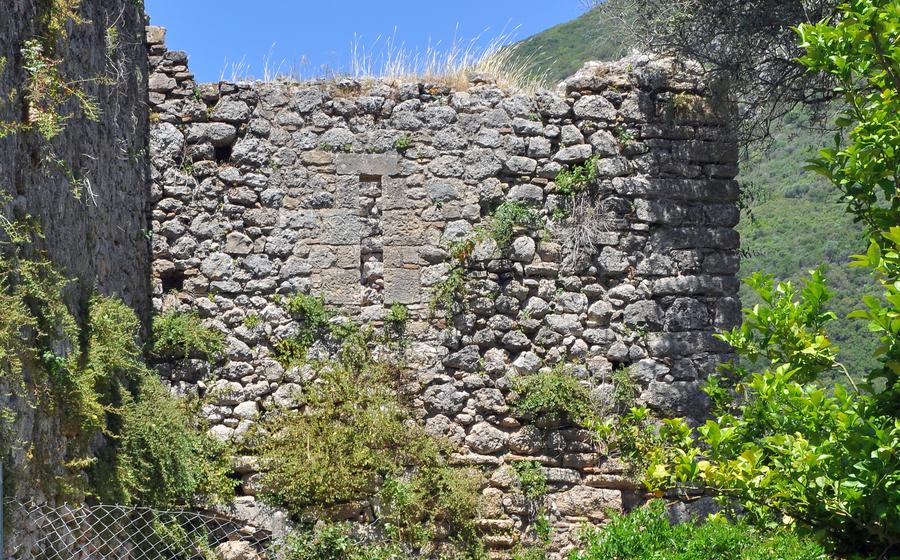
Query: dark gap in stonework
point(223, 154)
point(172, 280)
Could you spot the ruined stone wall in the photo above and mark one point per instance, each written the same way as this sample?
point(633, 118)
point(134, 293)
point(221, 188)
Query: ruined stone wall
point(98, 237)
point(355, 190)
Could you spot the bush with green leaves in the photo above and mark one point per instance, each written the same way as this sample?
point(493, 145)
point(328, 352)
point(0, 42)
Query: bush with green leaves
point(335, 541)
point(78, 375)
point(93, 377)
point(164, 456)
point(178, 543)
point(183, 335)
point(647, 533)
point(433, 497)
point(553, 393)
point(570, 182)
point(355, 431)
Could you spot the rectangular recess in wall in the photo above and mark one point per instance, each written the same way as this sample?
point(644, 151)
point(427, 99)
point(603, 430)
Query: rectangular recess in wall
point(371, 253)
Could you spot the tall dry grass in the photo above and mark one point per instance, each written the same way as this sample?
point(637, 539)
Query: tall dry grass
point(451, 65)
point(386, 59)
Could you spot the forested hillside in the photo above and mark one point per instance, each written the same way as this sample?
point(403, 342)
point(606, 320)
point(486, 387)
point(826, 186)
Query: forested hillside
point(797, 224)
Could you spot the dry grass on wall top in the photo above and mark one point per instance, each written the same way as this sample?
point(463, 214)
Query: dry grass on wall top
point(454, 65)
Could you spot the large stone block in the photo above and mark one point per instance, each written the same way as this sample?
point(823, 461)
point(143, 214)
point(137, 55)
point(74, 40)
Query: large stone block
point(340, 229)
point(366, 164)
point(586, 501)
point(402, 285)
point(340, 286)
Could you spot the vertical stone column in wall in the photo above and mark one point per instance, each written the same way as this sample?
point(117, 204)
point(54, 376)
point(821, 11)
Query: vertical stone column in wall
point(404, 236)
point(363, 274)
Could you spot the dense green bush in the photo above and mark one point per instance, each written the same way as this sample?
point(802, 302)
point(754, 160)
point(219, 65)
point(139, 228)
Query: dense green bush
point(553, 393)
point(647, 534)
point(336, 542)
point(183, 335)
point(165, 458)
point(95, 380)
point(353, 428)
point(356, 439)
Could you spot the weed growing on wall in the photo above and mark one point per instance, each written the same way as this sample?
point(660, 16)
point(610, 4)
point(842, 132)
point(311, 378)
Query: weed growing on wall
point(532, 479)
point(356, 439)
point(500, 226)
point(46, 92)
point(451, 294)
point(312, 317)
point(508, 219)
point(570, 182)
point(555, 394)
point(183, 335)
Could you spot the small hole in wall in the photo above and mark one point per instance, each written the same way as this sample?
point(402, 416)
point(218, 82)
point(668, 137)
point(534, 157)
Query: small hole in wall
point(172, 280)
point(223, 154)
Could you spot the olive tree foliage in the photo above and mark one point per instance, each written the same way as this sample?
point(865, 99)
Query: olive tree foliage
point(749, 44)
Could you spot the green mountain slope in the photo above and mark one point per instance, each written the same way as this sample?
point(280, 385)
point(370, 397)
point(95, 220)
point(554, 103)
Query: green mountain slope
point(798, 223)
point(560, 51)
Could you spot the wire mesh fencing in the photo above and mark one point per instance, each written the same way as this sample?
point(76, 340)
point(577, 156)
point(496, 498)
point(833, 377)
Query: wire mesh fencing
point(115, 532)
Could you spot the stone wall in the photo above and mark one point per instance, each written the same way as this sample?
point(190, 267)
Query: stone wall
point(355, 190)
point(100, 238)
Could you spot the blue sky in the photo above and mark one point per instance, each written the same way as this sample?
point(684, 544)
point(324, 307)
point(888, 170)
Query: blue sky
point(307, 34)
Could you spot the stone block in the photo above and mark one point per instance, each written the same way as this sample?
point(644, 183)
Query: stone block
point(590, 502)
point(340, 286)
point(340, 229)
point(402, 285)
point(400, 228)
point(367, 164)
point(401, 256)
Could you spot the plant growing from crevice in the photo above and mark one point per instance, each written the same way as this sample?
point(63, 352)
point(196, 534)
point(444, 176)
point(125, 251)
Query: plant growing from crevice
point(183, 335)
point(252, 321)
point(402, 143)
point(570, 182)
point(500, 226)
point(396, 319)
point(451, 293)
point(553, 393)
point(534, 486)
point(532, 480)
point(312, 317)
point(508, 218)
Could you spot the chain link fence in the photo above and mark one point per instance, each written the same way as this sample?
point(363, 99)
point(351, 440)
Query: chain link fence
point(114, 532)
